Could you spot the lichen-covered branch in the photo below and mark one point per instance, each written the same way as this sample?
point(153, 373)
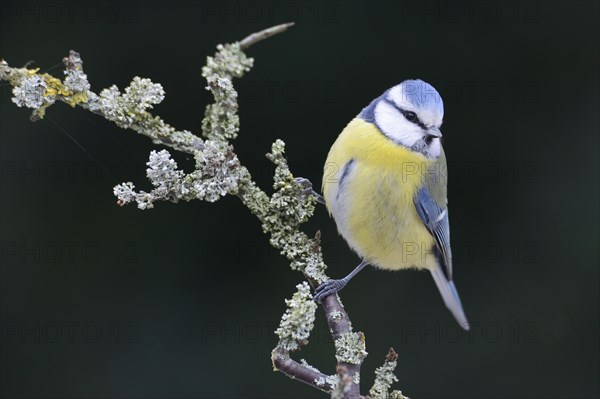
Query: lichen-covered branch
point(218, 172)
point(384, 378)
point(128, 109)
point(294, 330)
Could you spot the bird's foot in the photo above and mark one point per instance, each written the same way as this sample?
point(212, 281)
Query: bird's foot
point(329, 287)
point(308, 189)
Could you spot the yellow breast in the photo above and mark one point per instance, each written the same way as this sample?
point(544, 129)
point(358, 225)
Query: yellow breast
point(368, 184)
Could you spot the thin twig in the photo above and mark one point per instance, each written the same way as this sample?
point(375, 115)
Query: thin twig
point(264, 34)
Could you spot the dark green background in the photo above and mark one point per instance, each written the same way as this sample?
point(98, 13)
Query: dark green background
point(99, 301)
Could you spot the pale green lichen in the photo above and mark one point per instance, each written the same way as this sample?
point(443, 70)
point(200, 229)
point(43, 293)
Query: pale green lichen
point(315, 267)
point(217, 174)
point(221, 121)
point(350, 348)
point(336, 316)
point(298, 320)
point(256, 200)
point(75, 80)
point(126, 109)
point(384, 378)
point(167, 180)
point(288, 201)
point(329, 381)
point(30, 93)
point(290, 207)
point(229, 61)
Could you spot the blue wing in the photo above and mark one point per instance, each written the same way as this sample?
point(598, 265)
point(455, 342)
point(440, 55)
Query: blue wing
point(435, 218)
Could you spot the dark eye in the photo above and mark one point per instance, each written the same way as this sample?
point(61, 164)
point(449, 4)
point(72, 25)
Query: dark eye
point(411, 116)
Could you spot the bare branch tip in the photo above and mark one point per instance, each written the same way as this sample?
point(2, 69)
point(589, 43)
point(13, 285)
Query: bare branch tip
point(264, 34)
point(392, 356)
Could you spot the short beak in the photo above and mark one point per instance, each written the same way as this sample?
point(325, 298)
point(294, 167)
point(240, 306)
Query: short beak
point(434, 131)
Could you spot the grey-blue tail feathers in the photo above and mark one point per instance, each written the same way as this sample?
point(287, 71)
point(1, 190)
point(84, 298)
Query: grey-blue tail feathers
point(451, 298)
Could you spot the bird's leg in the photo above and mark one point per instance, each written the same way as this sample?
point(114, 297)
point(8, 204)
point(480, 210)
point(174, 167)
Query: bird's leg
point(330, 287)
point(308, 189)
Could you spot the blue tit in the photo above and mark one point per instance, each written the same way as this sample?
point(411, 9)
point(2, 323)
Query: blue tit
point(385, 183)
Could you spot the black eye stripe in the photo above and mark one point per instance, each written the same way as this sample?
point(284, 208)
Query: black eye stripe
point(405, 112)
point(417, 121)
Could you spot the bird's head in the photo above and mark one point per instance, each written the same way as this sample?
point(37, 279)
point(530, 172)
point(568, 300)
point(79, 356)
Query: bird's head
point(410, 114)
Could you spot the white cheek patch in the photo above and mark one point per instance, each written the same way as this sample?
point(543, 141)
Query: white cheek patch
point(395, 126)
point(430, 117)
